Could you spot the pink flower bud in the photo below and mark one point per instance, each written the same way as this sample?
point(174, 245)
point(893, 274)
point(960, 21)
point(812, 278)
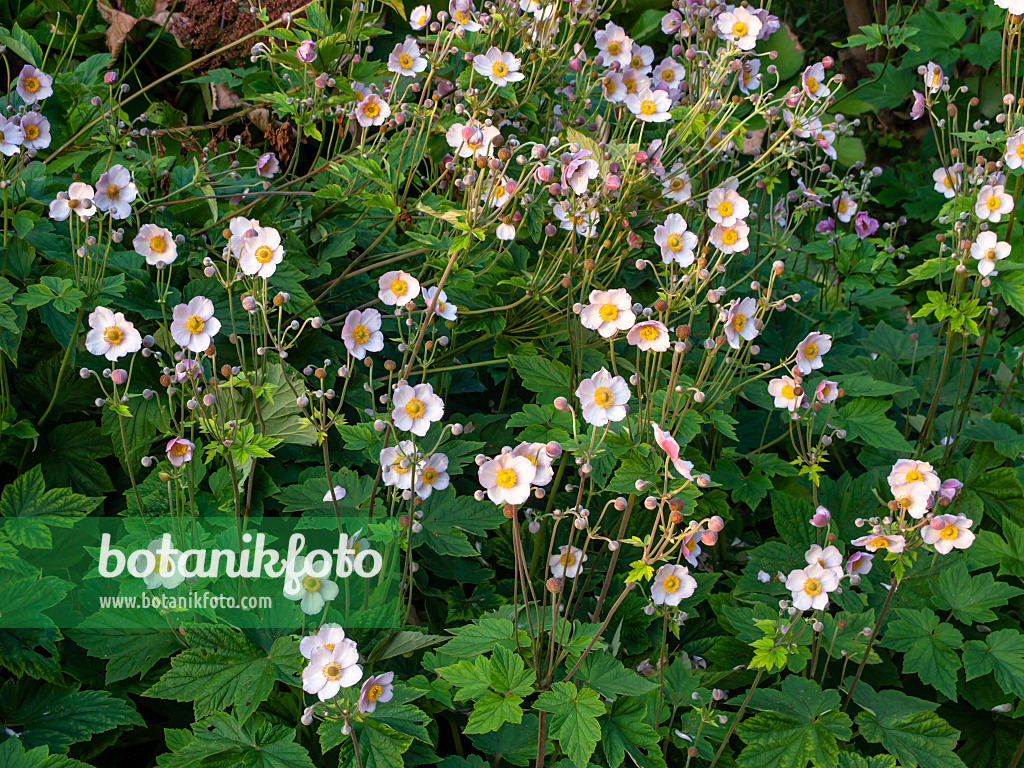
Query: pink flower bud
point(119, 376)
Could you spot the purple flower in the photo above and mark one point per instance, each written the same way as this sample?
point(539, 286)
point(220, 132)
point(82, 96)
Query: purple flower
point(267, 165)
point(376, 690)
point(578, 169)
point(826, 225)
point(864, 225)
point(948, 491)
point(917, 110)
point(821, 517)
point(179, 451)
point(307, 52)
point(859, 563)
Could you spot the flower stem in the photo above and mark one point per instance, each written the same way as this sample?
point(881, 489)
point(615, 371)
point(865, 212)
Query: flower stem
point(871, 641)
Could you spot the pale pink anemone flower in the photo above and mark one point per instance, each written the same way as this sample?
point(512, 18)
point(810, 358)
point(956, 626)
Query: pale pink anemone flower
point(826, 392)
point(376, 690)
point(397, 288)
point(420, 17)
point(78, 198)
point(372, 111)
point(406, 59)
point(907, 472)
point(331, 670)
point(993, 203)
point(810, 351)
point(361, 332)
point(670, 446)
point(337, 493)
point(431, 475)
point(740, 324)
point(948, 532)
point(36, 131)
point(614, 44)
point(810, 587)
point(33, 84)
point(240, 230)
point(179, 451)
point(677, 187)
point(470, 139)
point(829, 558)
point(988, 249)
point(115, 192)
point(443, 308)
point(949, 490)
point(261, 253)
point(814, 83)
point(500, 67)
point(672, 584)
point(329, 636)
point(396, 464)
point(267, 165)
point(603, 398)
point(690, 547)
point(155, 244)
point(649, 336)
point(416, 408)
point(876, 541)
point(740, 27)
point(507, 478)
point(538, 455)
point(859, 563)
point(111, 335)
point(568, 563)
point(193, 325)
point(676, 242)
point(608, 312)
point(649, 106)
point(785, 391)
point(913, 499)
point(726, 207)
point(918, 107)
point(578, 169)
point(731, 239)
point(845, 207)
point(821, 517)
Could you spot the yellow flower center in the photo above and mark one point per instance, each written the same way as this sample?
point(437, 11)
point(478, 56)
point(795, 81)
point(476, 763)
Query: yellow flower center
point(371, 110)
point(949, 533)
point(31, 132)
point(72, 204)
point(113, 191)
point(676, 184)
point(913, 476)
point(429, 475)
point(568, 559)
point(812, 587)
point(332, 671)
point(609, 85)
point(1020, 149)
point(113, 335)
point(788, 392)
point(462, 17)
point(880, 542)
point(647, 107)
point(729, 237)
point(398, 287)
point(739, 322)
point(608, 312)
point(811, 351)
point(157, 244)
point(329, 646)
point(414, 408)
point(374, 693)
point(506, 478)
point(310, 583)
point(361, 334)
point(668, 75)
point(992, 203)
point(179, 449)
point(614, 48)
point(674, 241)
point(948, 183)
point(739, 29)
point(812, 85)
point(31, 84)
point(636, 62)
point(725, 209)
point(630, 85)
point(404, 60)
point(397, 466)
point(648, 333)
point(603, 396)
point(195, 324)
point(841, 207)
point(671, 584)
point(263, 254)
point(499, 69)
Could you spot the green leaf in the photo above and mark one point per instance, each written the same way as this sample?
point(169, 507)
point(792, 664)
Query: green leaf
point(14, 755)
point(907, 728)
point(927, 645)
point(970, 598)
point(1002, 653)
point(447, 519)
point(798, 724)
point(45, 715)
point(220, 740)
point(471, 678)
point(626, 732)
point(130, 643)
point(609, 677)
point(223, 668)
point(474, 639)
point(494, 710)
point(32, 510)
point(509, 673)
point(574, 719)
point(791, 515)
point(548, 378)
point(865, 421)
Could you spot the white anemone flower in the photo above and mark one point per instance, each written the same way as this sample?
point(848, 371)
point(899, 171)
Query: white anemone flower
point(78, 199)
point(431, 475)
point(329, 636)
point(193, 325)
point(603, 398)
point(810, 587)
point(740, 27)
point(948, 532)
point(166, 572)
point(988, 249)
point(568, 563)
point(608, 312)
point(615, 45)
point(992, 203)
point(311, 592)
point(155, 244)
point(809, 351)
point(507, 478)
point(416, 408)
point(731, 239)
point(406, 59)
point(677, 243)
point(672, 584)
point(649, 336)
point(499, 67)
point(111, 335)
point(946, 182)
point(331, 670)
point(397, 288)
point(361, 332)
point(33, 84)
point(784, 390)
point(115, 192)
point(649, 106)
point(396, 464)
point(262, 253)
point(442, 307)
